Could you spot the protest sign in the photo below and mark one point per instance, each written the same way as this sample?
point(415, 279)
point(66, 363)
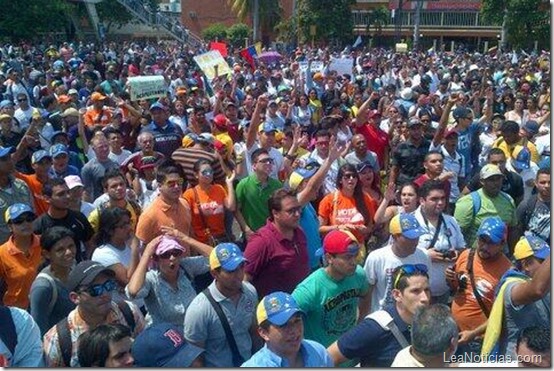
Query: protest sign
point(317, 66)
point(209, 60)
point(341, 65)
point(146, 87)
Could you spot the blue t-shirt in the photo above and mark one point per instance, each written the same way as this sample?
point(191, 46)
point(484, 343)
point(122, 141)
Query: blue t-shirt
point(313, 355)
point(465, 145)
point(310, 225)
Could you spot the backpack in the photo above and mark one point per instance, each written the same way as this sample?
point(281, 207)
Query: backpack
point(385, 320)
point(8, 333)
point(64, 333)
point(52, 283)
point(476, 200)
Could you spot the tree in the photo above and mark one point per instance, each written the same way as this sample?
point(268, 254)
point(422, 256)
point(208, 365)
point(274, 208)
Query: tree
point(111, 13)
point(28, 20)
point(377, 19)
point(526, 20)
point(216, 31)
point(237, 33)
point(269, 14)
point(332, 19)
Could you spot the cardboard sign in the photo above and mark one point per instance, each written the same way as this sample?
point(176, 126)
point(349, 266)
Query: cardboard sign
point(317, 66)
point(401, 48)
point(146, 87)
point(341, 65)
point(209, 60)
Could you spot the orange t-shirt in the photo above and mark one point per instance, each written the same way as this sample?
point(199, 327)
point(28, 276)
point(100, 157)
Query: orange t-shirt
point(344, 211)
point(19, 271)
point(160, 214)
point(465, 308)
point(93, 117)
point(212, 205)
point(35, 185)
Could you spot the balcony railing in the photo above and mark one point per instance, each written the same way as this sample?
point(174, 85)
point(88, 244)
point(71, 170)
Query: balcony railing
point(440, 19)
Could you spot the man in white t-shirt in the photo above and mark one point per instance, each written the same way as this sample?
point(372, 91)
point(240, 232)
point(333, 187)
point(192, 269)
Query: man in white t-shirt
point(405, 231)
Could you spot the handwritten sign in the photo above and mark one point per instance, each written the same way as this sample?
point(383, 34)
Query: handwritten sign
point(146, 87)
point(209, 60)
point(317, 66)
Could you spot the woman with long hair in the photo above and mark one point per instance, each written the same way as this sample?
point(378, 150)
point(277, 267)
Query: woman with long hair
point(179, 115)
point(208, 202)
point(112, 239)
point(316, 105)
point(349, 207)
point(302, 112)
point(517, 113)
point(370, 180)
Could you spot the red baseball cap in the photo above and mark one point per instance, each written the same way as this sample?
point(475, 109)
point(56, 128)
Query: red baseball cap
point(339, 242)
point(220, 121)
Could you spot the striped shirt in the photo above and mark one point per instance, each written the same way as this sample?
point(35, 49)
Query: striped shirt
point(187, 157)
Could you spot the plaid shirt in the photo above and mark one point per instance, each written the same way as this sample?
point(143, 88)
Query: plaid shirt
point(77, 326)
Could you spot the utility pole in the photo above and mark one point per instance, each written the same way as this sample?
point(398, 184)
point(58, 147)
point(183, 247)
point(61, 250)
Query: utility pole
point(398, 22)
point(256, 20)
point(417, 21)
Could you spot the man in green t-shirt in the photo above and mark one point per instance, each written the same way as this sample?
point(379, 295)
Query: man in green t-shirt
point(333, 296)
point(254, 191)
point(488, 201)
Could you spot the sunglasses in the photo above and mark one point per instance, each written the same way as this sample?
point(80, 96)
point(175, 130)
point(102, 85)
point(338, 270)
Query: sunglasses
point(266, 161)
point(408, 270)
point(349, 176)
point(97, 290)
point(22, 100)
point(168, 254)
point(207, 172)
point(29, 218)
point(174, 183)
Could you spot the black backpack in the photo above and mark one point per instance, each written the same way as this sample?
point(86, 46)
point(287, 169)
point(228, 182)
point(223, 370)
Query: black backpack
point(8, 333)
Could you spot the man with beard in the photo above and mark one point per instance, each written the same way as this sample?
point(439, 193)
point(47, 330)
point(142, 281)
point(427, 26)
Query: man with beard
point(280, 324)
point(90, 286)
point(473, 208)
point(333, 295)
point(477, 270)
point(229, 299)
point(381, 335)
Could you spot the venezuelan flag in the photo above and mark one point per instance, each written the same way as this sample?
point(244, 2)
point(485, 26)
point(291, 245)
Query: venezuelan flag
point(249, 53)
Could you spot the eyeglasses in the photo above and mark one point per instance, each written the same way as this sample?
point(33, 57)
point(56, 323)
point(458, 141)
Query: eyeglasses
point(266, 160)
point(97, 290)
point(294, 210)
point(407, 270)
point(29, 218)
point(168, 254)
point(207, 172)
point(173, 183)
point(349, 176)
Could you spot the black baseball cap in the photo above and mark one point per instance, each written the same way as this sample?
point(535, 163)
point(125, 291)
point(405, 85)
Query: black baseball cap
point(85, 272)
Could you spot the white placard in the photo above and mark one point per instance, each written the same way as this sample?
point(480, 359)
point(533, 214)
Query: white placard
point(341, 65)
point(146, 87)
point(317, 66)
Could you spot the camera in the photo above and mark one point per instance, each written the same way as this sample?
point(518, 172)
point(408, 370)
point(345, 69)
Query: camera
point(462, 282)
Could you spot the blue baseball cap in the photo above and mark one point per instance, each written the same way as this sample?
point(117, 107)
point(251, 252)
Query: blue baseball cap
point(521, 158)
point(58, 149)
point(6, 103)
point(157, 105)
point(267, 127)
point(494, 228)
point(407, 225)
point(57, 133)
point(299, 174)
point(530, 245)
point(277, 308)
point(16, 210)
point(39, 155)
point(227, 256)
point(4, 151)
point(163, 345)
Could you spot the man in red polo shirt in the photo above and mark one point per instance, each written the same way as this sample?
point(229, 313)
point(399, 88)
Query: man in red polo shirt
point(277, 254)
point(367, 124)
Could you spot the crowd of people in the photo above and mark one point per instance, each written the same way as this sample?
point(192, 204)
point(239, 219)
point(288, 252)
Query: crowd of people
point(281, 215)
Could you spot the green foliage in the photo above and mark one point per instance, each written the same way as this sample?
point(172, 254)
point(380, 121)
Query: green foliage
point(332, 18)
point(527, 21)
point(26, 20)
point(237, 33)
point(215, 31)
point(286, 30)
point(111, 13)
point(270, 12)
